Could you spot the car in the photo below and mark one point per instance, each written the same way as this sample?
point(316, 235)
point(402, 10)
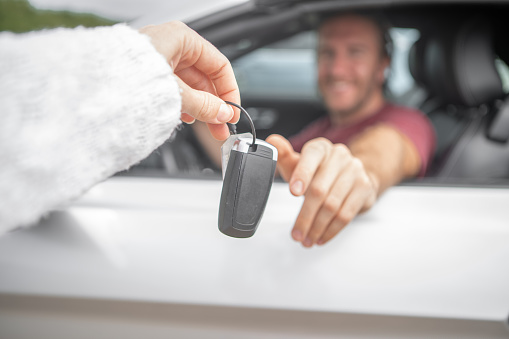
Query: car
point(141, 254)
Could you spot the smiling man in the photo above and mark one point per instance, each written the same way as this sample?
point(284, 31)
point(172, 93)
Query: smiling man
point(351, 68)
point(343, 162)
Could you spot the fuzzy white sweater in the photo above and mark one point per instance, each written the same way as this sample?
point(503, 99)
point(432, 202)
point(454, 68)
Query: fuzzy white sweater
point(77, 106)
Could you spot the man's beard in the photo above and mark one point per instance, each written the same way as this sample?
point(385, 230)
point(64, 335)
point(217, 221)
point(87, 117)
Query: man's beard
point(345, 113)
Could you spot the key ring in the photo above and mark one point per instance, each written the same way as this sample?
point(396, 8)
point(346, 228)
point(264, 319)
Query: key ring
point(232, 127)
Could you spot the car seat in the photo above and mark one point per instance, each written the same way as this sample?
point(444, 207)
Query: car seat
point(456, 65)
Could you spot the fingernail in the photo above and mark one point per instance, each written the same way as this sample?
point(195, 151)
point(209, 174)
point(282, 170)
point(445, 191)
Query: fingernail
point(225, 113)
point(297, 235)
point(307, 242)
point(297, 187)
point(320, 242)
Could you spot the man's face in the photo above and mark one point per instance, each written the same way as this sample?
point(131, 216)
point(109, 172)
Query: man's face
point(350, 65)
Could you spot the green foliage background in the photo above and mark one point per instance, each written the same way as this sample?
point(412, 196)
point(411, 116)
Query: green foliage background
point(19, 16)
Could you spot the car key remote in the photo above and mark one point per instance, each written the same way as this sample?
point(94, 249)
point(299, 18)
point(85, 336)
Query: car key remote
point(249, 165)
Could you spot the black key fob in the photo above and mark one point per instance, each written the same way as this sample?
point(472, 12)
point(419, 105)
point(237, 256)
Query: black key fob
point(248, 173)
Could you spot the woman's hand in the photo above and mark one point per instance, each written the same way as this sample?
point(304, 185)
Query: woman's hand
point(204, 74)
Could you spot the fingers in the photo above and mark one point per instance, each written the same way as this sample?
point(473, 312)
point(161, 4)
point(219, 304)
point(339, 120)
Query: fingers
point(203, 67)
point(336, 187)
point(325, 195)
point(346, 198)
point(204, 74)
point(219, 132)
point(188, 119)
point(287, 157)
point(216, 67)
point(206, 107)
point(320, 165)
point(197, 81)
point(351, 207)
point(313, 154)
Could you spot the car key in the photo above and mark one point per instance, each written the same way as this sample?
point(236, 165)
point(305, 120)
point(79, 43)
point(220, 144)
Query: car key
point(249, 165)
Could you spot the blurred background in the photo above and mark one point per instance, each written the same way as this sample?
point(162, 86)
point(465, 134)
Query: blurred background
point(23, 15)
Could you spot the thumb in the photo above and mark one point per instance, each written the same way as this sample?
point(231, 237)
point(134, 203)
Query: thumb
point(205, 106)
point(287, 157)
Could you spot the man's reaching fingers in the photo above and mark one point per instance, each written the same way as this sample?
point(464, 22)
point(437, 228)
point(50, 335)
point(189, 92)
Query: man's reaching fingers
point(287, 157)
point(313, 154)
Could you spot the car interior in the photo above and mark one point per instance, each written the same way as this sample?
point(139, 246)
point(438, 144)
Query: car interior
point(455, 59)
point(457, 67)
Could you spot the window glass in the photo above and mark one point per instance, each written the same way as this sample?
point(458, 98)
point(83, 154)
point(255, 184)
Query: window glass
point(287, 69)
point(503, 71)
point(400, 80)
point(284, 70)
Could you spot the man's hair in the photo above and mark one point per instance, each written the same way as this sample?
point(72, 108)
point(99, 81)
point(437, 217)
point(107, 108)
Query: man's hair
point(381, 22)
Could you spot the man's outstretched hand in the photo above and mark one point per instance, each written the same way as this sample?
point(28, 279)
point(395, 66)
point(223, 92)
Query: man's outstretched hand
point(334, 183)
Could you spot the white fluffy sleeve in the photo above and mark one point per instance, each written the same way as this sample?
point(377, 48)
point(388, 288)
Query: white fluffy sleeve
point(77, 106)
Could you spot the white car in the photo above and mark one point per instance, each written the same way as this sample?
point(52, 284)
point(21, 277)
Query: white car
point(140, 255)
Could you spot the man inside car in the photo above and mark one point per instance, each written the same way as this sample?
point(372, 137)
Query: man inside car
point(343, 162)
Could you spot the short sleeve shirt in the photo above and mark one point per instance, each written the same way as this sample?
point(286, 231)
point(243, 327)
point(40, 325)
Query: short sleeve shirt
point(410, 122)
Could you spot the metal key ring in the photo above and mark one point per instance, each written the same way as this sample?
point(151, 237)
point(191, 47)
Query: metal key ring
point(232, 126)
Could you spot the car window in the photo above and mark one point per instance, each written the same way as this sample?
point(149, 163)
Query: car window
point(400, 80)
point(277, 81)
point(287, 69)
point(503, 71)
point(283, 70)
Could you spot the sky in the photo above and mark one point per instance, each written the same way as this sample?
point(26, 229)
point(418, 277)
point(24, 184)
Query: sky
point(138, 12)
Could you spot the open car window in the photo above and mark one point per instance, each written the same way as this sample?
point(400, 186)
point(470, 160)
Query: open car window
point(276, 74)
point(286, 70)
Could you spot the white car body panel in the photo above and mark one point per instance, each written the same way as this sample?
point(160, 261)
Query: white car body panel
point(156, 240)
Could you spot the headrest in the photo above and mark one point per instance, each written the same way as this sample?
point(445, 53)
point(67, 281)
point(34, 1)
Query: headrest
point(459, 64)
point(416, 61)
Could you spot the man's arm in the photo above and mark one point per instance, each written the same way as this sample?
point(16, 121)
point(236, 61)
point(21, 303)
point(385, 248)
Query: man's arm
point(339, 182)
point(387, 154)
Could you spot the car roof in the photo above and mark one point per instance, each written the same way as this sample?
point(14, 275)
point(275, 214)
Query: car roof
point(266, 21)
point(185, 11)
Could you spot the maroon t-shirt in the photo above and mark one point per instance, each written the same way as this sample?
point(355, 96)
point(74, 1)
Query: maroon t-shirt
point(411, 122)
